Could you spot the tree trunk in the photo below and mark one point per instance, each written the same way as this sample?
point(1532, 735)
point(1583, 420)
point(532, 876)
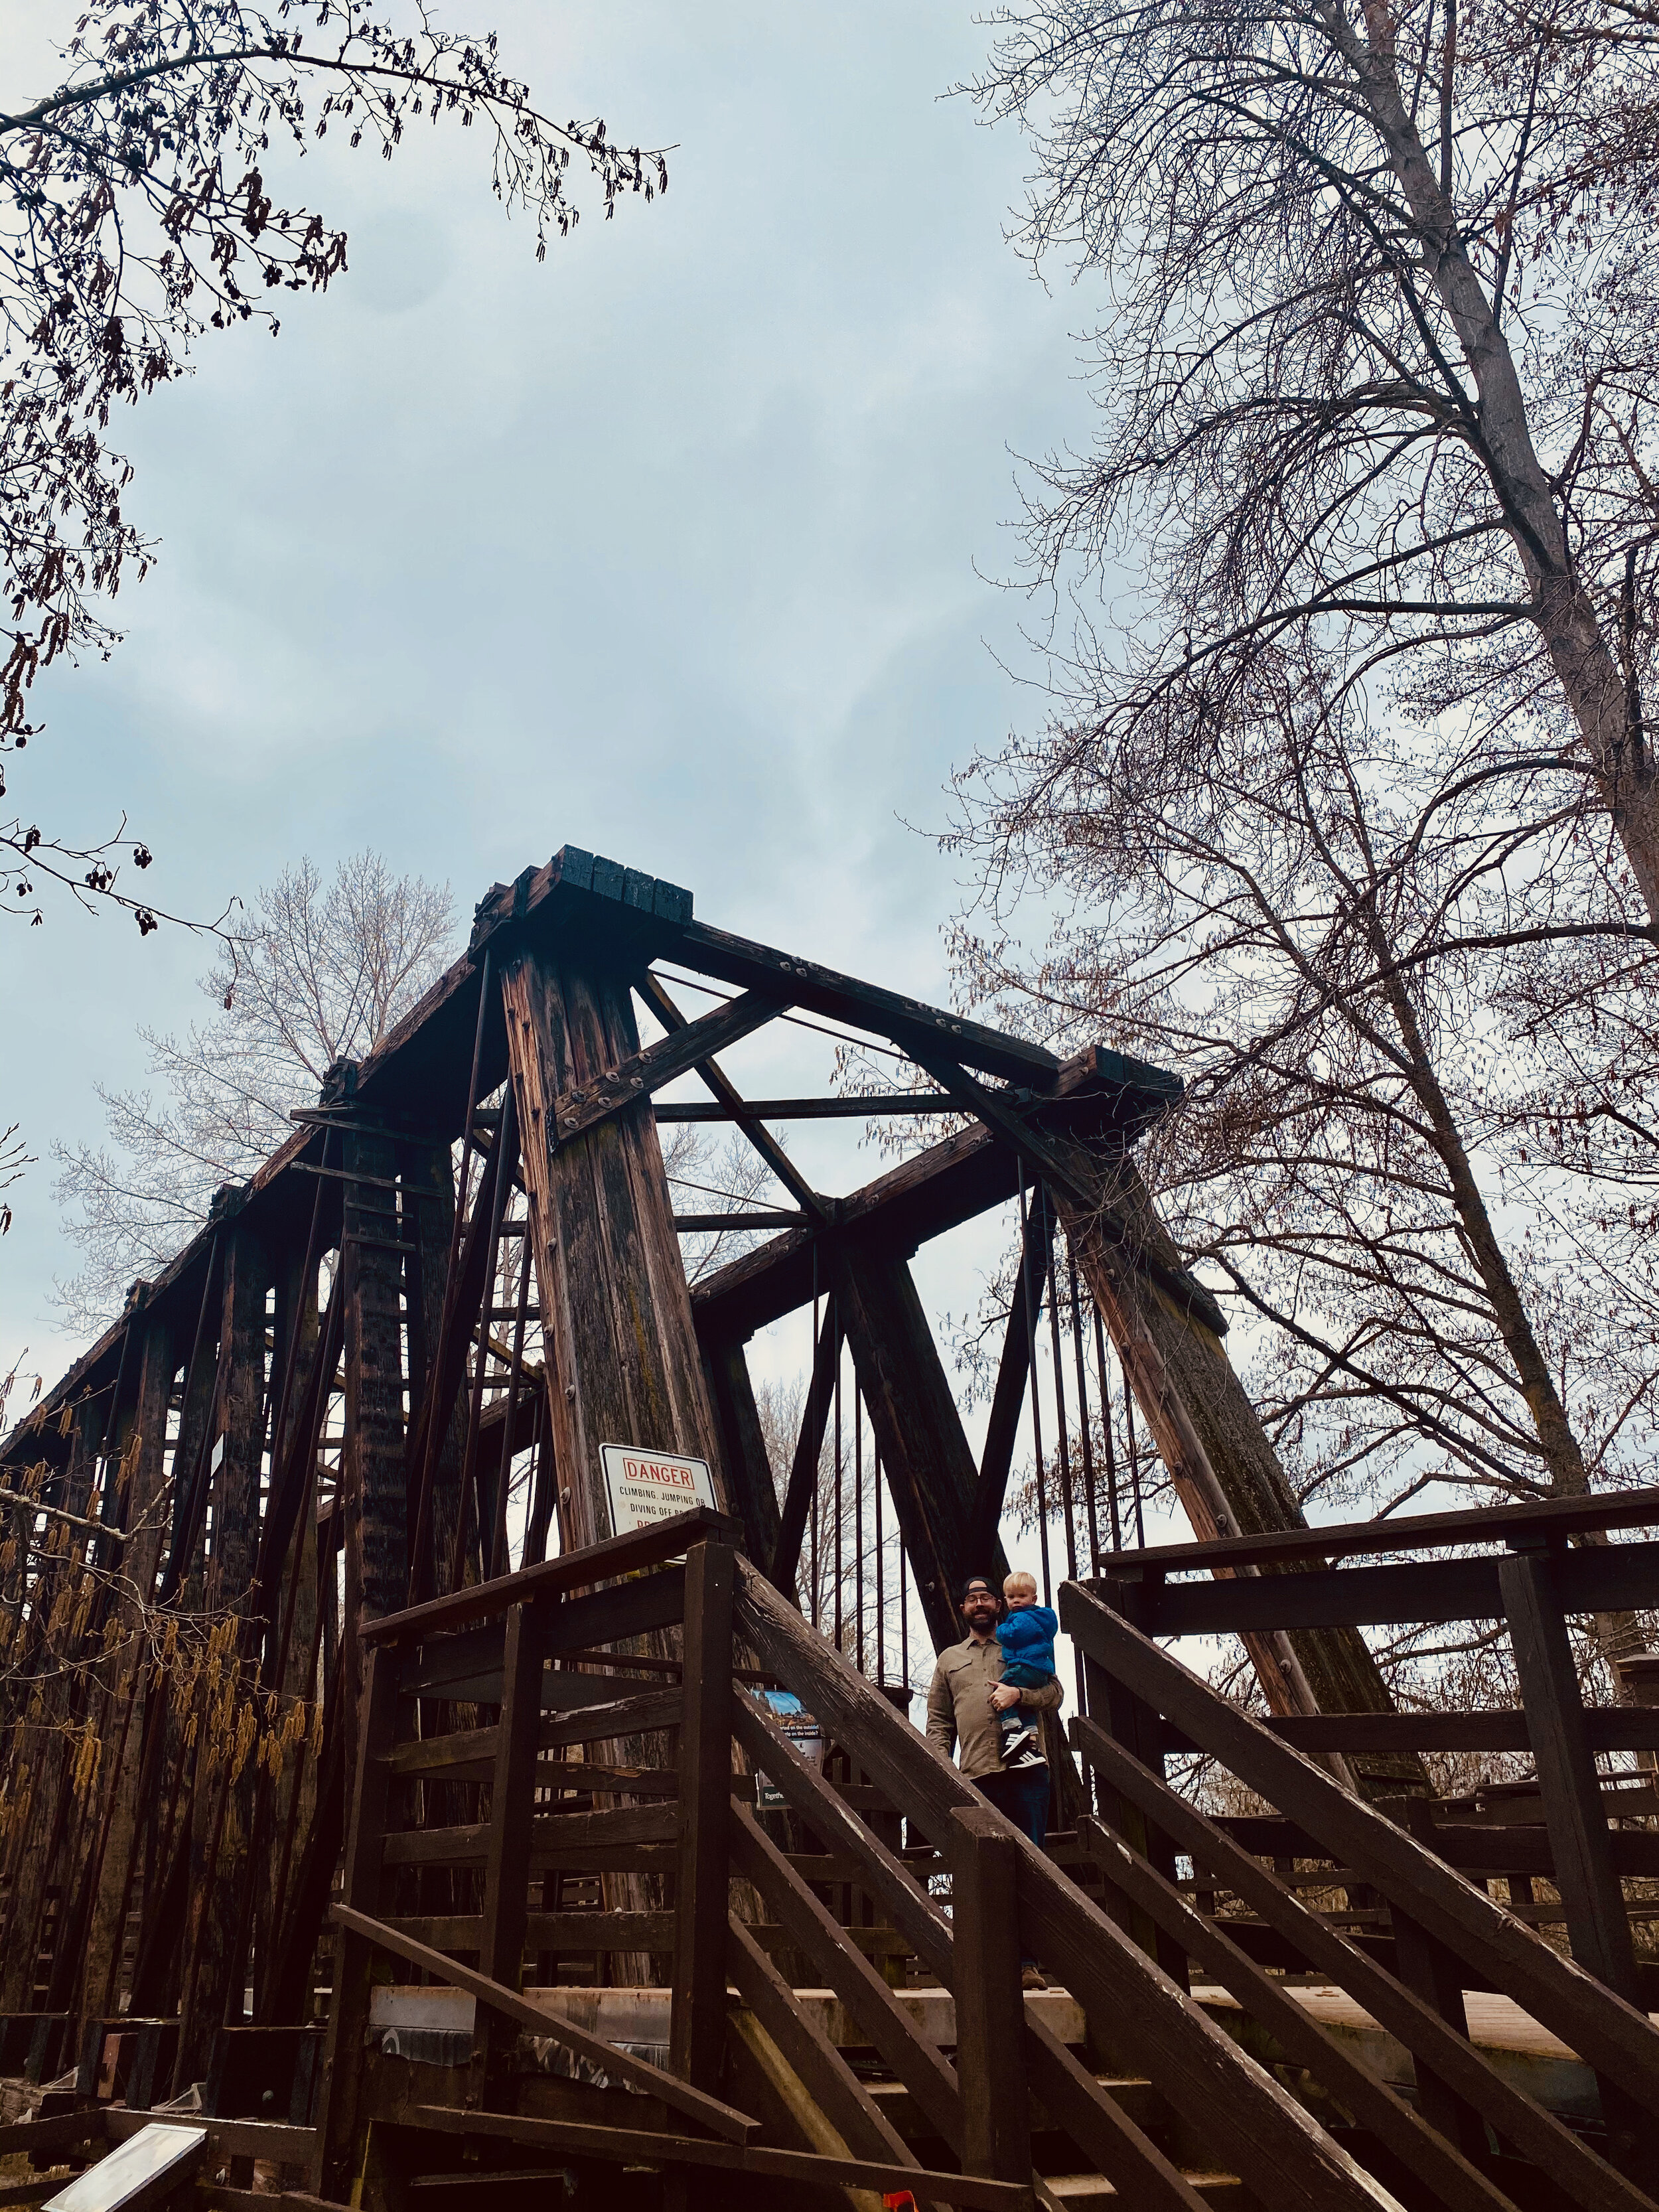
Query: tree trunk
point(1215, 1448)
point(1562, 611)
point(1619, 1634)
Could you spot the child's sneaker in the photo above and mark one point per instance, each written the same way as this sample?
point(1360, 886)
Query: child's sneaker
point(1019, 1742)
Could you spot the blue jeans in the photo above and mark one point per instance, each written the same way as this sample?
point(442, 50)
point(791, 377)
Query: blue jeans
point(1020, 1792)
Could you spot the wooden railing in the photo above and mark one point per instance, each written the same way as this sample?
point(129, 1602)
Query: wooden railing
point(964, 1892)
point(1255, 2127)
point(1556, 1562)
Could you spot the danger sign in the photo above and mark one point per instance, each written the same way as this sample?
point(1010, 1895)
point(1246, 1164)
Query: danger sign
point(645, 1487)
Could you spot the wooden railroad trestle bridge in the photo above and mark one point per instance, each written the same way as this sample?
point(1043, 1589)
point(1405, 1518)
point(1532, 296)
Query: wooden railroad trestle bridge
point(413, 1861)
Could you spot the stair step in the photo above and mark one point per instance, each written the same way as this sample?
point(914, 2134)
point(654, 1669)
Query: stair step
point(1084, 2192)
point(1136, 2097)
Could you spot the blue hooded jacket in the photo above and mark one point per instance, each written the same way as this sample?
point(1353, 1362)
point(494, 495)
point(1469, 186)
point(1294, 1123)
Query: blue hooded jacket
point(1027, 1637)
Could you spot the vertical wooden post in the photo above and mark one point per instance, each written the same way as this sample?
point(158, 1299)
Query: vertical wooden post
point(697, 2033)
point(506, 1866)
point(996, 2123)
point(373, 1485)
point(1597, 1928)
point(428, 1197)
point(1139, 1730)
point(748, 1470)
point(348, 2016)
point(223, 1807)
point(142, 1520)
point(623, 1361)
point(913, 1410)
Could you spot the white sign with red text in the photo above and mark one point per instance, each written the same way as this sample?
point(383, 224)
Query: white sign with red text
point(647, 1487)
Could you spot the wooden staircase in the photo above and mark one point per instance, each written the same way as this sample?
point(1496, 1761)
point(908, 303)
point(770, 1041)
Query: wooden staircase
point(573, 1960)
point(838, 2018)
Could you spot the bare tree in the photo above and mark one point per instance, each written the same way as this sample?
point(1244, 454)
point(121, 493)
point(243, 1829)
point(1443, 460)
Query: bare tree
point(326, 968)
point(14, 1158)
point(710, 1174)
point(1376, 369)
point(141, 209)
point(1319, 932)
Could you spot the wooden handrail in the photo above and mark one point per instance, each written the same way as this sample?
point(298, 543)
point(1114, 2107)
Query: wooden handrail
point(1611, 2035)
point(1068, 2091)
point(1570, 2162)
point(710, 2111)
point(1550, 1518)
point(571, 1571)
point(1253, 2124)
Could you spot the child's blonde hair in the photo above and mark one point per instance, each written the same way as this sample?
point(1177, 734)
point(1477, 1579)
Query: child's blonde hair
point(1018, 1581)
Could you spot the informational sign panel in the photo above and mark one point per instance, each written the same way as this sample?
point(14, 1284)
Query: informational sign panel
point(646, 1486)
point(802, 1730)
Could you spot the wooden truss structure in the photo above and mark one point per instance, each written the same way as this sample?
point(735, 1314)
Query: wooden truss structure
point(320, 1659)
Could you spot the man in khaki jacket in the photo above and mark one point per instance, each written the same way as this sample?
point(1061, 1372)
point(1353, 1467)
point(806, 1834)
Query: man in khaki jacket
point(964, 1700)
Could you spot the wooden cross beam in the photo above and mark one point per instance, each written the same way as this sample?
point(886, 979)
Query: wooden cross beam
point(637, 1077)
point(729, 1103)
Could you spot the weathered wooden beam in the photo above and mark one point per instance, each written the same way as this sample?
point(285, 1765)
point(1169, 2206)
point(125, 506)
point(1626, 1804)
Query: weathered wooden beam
point(623, 1361)
point(1609, 1728)
point(429, 1216)
point(783, 1563)
point(1548, 1520)
point(594, 1098)
point(620, 1370)
point(748, 1467)
point(1593, 1579)
point(697, 2016)
point(913, 1410)
point(1223, 1468)
point(910, 1023)
point(609, 1560)
point(1013, 1377)
point(373, 1484)
point(874, 1108)
point(223, 1806)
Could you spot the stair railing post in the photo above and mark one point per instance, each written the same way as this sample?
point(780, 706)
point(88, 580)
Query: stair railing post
point(1133, 1724)
point(507, 1864)
point(697, 2032)
point(347, 2015)
point(996, 2123)
point(1592, 1897)
point(1580, 1845)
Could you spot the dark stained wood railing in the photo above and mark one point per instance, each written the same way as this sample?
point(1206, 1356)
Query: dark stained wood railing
point(1130, 1679)
point(1255, 2124)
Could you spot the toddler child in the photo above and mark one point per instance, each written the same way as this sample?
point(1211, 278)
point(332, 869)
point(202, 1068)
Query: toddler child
point(1027, 1637)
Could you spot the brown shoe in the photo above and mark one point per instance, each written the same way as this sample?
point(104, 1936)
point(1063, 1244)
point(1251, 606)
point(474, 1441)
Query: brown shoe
point(1030, 1978)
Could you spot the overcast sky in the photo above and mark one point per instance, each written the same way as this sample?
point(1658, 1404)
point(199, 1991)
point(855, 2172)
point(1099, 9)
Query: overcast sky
point(674, 547)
